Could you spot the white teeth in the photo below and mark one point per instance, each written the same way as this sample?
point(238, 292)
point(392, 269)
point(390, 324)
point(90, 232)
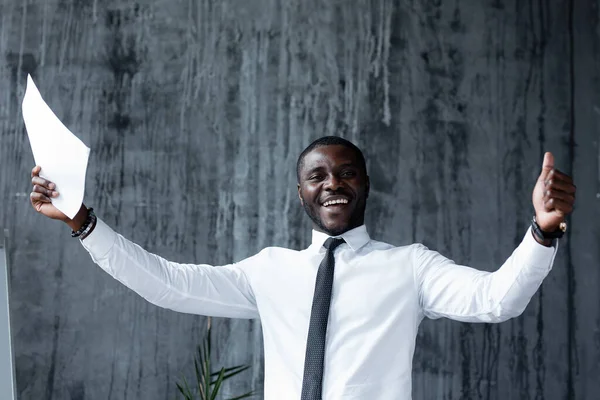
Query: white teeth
point(338, 201)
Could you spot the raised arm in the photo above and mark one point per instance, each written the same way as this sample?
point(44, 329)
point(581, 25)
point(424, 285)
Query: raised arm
point(191, 288)
point(466, 294)
point(198, 289)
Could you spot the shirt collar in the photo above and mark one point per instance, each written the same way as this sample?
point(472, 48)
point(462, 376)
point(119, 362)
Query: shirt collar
point(355, 238)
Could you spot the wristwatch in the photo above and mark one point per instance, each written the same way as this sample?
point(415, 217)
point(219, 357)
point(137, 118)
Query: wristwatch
point(557, 234)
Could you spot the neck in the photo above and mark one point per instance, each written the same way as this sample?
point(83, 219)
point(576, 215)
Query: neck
point(335, 232)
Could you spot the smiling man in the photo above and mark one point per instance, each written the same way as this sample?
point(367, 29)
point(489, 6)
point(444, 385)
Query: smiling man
point(333, 185)
point(339, 318)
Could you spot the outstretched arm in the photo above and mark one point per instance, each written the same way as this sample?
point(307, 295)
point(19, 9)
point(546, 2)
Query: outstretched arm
point(198, 289)
point(466, 294)
point(191, 288)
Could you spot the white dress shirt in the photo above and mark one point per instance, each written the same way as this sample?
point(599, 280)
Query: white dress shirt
point(380, 295)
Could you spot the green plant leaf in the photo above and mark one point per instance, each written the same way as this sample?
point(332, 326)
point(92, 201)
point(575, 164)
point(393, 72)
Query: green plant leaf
point(200, 379)
point(206, 365)
point(226, 370)
point(244, 396)
point(182, 391)
point(208, 388)
point(186, 392)
point(234, 371)
point(218, 384)
point(198, 374)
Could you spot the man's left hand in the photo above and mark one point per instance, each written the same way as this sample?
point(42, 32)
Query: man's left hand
point(553, 196)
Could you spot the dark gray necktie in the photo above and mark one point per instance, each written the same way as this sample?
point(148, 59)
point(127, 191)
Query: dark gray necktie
point(312, 382)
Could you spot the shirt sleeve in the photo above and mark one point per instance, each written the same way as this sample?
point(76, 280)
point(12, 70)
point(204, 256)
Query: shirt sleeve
point(202, 289)
point(465, 294)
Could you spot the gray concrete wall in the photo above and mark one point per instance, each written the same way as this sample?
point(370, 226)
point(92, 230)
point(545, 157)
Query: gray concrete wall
point(196, 111)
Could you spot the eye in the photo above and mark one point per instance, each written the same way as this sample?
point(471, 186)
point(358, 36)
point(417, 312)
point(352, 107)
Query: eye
point(315, 177)
point(348, 174)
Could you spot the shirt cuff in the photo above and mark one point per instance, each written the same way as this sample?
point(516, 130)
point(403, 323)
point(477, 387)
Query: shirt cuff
point(536, 252)
point(100, 241)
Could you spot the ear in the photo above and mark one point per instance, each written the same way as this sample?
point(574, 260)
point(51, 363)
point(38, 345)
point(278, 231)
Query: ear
point(300, 195)
point(368, 187)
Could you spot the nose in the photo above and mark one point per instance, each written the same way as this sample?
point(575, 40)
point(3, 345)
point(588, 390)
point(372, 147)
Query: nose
point(333, 183)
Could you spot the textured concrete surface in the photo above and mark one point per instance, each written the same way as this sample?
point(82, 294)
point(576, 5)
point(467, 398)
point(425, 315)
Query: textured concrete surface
point(196, 111)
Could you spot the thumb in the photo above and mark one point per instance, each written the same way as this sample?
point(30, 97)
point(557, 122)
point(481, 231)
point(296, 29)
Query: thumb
point(547, 165)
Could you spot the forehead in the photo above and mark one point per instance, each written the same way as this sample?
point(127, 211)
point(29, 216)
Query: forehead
point(330, 156)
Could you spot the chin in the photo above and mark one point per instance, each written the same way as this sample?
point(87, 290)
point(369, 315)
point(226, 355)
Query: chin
point(335, 229)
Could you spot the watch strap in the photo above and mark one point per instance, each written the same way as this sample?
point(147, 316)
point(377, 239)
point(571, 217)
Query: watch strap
point(557, 234)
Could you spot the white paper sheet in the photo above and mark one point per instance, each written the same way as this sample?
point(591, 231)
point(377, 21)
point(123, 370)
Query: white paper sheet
point(62, 156)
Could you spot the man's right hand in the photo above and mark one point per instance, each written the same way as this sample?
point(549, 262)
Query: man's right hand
point(40, 196)
point(43, 191)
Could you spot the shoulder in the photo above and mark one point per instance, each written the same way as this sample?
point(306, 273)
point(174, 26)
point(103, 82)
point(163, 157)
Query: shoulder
point(277, 252)
point(390, 250)
point(266, 258)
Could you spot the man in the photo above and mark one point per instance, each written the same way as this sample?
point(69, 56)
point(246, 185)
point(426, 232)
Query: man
point(339, 318)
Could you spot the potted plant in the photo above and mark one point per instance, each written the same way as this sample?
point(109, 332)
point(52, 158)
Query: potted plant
point(208, 382)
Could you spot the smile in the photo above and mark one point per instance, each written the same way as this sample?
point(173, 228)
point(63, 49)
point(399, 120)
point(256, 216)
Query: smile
point(335, 202)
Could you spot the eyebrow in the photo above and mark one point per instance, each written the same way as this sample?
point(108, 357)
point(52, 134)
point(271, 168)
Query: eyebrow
point(320, 168)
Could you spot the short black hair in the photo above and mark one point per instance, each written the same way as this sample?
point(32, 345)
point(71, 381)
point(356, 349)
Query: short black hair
point(330, 141)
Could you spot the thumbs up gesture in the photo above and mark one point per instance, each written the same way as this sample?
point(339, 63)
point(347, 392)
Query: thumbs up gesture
point(553, 196)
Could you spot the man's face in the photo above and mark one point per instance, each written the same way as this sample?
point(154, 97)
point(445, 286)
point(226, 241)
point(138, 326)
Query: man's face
point(333, 189)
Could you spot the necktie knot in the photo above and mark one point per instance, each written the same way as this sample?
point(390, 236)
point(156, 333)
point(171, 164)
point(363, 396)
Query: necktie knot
point(332, 243)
